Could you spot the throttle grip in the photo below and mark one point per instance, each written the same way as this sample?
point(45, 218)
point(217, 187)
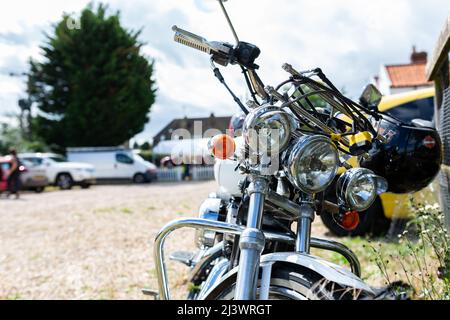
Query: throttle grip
point(191, 40)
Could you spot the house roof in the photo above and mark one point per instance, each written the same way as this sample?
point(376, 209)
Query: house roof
point(211, 122)
point(407, 75)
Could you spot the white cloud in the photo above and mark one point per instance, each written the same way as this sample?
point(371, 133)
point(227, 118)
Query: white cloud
point(347, 39)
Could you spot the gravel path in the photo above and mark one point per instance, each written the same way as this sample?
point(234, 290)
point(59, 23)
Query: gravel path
point(92, 244)
point(96, 243)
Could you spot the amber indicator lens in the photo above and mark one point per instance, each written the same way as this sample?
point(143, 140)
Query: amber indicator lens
point(222, 146)
point(350, 220)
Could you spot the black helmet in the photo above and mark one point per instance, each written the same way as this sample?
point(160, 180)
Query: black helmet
point(411, 157)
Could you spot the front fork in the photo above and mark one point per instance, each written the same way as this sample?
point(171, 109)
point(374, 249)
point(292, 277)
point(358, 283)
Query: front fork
point(252, 240)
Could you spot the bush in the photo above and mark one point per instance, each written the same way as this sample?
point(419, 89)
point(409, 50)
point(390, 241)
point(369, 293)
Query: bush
point(11, 137)
point(423, 255)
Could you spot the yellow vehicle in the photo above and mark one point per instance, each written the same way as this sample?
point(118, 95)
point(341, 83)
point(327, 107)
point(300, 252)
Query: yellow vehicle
point(408, 107)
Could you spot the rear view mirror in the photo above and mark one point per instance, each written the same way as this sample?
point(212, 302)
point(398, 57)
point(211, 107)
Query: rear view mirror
point(370, 97)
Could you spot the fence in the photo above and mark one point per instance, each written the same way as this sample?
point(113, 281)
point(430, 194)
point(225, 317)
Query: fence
point(176, 174)
point(202, 173)
point(173, 174)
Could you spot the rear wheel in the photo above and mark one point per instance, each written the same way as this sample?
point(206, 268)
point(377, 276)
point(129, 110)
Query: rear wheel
point(64, 181)
point(38, 189)
point(291, 282)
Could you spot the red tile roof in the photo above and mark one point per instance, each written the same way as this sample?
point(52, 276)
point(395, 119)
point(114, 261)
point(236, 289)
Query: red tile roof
point(407, 75)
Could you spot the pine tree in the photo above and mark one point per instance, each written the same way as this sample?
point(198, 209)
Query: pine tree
point(94, 87)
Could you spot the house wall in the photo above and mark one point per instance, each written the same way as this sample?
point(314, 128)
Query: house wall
point(384, 83)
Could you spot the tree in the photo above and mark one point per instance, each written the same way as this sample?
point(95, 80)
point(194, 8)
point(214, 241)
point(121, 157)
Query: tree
point(94, 87)
point(12, 137)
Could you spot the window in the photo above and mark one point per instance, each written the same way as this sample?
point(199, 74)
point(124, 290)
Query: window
point(417, 109)
point(27, 163)
point(35, 161)
point(58, 159)
point(123, 158)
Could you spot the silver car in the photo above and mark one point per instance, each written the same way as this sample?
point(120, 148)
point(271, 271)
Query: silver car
point(32, 177)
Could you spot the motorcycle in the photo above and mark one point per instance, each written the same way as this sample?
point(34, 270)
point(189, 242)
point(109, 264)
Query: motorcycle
point(254, 234)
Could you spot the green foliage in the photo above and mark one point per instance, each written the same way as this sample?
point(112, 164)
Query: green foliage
point(146, 146)
point(419, 257)
point(422, 255)
point(11, 137)
point(150, 156)
point(94, 87)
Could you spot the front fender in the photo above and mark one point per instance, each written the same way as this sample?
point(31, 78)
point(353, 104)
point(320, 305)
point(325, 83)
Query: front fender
point(329, 271)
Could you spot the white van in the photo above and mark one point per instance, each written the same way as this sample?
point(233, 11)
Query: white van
point(113, 163)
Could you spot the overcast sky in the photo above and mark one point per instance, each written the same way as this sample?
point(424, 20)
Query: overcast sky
point(348, 39)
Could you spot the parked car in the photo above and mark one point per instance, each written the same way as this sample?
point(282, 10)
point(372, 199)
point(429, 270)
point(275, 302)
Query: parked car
point(409, 107)
point(4, 167)
point(115, 163)
point(59, 171)
point(31, 178)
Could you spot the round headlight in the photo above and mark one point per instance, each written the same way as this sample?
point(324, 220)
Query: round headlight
point(358, 188)
point(312, 163)
point(267, 129)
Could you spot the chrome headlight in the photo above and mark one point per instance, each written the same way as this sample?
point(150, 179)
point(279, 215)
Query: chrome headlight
point(267, 129)
point(312, 163)
point(359, 187)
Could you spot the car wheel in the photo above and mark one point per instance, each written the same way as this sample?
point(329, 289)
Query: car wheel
point(64, 181)
point(372, 222)
point(38, 189)
point(139, 178)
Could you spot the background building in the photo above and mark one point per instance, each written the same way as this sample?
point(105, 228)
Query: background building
point(397, 78)
point(211, 122)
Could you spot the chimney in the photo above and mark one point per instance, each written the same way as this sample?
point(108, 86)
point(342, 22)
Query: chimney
point(418, 57)
point(377, 81)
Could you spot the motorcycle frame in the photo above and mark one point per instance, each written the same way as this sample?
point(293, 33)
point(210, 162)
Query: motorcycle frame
point(227, 228)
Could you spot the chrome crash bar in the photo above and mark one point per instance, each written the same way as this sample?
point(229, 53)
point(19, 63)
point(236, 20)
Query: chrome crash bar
point(223, 227)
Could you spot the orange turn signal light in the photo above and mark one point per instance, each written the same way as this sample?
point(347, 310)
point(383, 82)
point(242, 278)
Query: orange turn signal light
point(350, 220)
point(222, 146)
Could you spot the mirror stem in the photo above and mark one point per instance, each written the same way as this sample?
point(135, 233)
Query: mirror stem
point(229, 21)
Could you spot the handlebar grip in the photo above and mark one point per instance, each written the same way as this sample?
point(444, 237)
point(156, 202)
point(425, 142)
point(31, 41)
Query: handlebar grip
point(191, 40)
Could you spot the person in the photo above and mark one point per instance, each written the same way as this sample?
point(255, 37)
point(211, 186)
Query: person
point(2, 181)
point(14, 174)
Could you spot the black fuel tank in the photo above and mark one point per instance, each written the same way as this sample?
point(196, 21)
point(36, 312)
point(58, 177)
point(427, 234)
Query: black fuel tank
point(410, 159)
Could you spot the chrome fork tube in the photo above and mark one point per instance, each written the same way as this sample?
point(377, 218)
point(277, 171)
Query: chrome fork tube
point(251, 242)
point(303, 241)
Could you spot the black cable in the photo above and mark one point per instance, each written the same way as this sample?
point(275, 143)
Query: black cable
point(219, 76)
point(249, 85)
point(355, 108)
point(307, 100)
point(350, 106)
point(283, 83)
